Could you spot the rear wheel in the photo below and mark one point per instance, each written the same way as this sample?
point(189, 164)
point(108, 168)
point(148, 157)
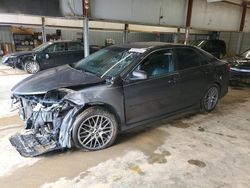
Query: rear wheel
point(31, 66)
point(210, 99)
point(94, 129)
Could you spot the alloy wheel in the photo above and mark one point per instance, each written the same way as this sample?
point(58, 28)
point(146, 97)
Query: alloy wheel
point(32, 67)
point(95, 132)
point(211, 98)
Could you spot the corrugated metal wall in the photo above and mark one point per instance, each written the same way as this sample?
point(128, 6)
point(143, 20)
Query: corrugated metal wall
point(245, 42)
point(231, 40)
point(98, 37)
point(5, 34)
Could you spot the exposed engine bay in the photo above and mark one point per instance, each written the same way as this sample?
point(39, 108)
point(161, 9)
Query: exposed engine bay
point(48, 120)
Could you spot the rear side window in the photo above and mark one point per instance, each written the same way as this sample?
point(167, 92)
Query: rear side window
point(75, 46)
point(187, 58)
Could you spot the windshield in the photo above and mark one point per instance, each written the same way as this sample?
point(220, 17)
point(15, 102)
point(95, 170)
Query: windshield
point(108, 62)
point(246, 54)
point(42, 46)
point(199, 43)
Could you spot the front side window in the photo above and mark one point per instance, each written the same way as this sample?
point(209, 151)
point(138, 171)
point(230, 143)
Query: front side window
point(187, 58)
point(108, 62)
point(42, 47)
point(157, 64)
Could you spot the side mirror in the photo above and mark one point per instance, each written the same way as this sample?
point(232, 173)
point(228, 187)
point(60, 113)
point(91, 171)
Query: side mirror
point(139, 75)
point(47, 56)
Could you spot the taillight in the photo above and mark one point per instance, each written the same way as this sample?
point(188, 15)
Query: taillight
point(228, 66)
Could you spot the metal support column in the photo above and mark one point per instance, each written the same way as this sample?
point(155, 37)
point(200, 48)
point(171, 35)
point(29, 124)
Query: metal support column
point(176, 36)
point(187, 30)
point(188, 19)
point(86, 36)
point(125, 34)
point(85, 8)
point(43, 30)
point(242, 24)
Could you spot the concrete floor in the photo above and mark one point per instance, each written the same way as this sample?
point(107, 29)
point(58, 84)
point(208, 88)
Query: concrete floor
point(203, 150)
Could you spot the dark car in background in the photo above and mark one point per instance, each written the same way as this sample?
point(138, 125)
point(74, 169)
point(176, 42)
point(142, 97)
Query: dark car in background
point(113, 90)
point(215, 47)
point(47, 55)
point(240, 68)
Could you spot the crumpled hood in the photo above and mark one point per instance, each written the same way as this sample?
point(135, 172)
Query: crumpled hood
point(55, 78)
point(240, 62)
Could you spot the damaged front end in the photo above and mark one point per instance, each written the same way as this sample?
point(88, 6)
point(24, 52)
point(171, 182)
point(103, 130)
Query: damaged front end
point(48, 121)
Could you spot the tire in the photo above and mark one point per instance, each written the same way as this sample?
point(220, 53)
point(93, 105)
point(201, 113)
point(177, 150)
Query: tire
point(31, 66)
point(94, 129)
point(210, 98)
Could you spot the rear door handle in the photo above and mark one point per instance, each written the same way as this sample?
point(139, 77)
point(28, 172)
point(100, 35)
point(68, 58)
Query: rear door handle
point(173, 79)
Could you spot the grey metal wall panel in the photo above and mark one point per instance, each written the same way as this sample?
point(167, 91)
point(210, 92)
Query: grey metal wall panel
point(5, 34)
point(141, 37)
point(245, 42)
point(98, 37)
point(247, 21)
point(160, 12)
point(33, 7)
point(231, 40)
point(215, 16)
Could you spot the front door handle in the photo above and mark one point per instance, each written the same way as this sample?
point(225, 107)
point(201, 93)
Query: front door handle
point(173, 80)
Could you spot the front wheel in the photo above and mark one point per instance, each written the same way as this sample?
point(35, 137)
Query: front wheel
point(94, 129)
point(210, 99)
point(31, 66)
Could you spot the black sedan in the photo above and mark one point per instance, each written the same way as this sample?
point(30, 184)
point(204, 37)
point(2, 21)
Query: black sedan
point(47, 55)
point(113, 90)
point(240, 68)
point(214, 47)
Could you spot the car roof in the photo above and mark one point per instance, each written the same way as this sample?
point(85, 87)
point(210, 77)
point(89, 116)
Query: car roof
point(209, 40)
point(61, 41)
point(147, 45)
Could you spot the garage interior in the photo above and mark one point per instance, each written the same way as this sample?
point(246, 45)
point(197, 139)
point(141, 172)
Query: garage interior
point(197, 150)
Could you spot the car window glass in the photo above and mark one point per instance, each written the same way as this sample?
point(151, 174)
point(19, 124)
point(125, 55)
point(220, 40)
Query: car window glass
point(158, 63)
point(75, 47)
point(187, 58)
point(59, 47)
point(203, 59)
point(50, 49)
